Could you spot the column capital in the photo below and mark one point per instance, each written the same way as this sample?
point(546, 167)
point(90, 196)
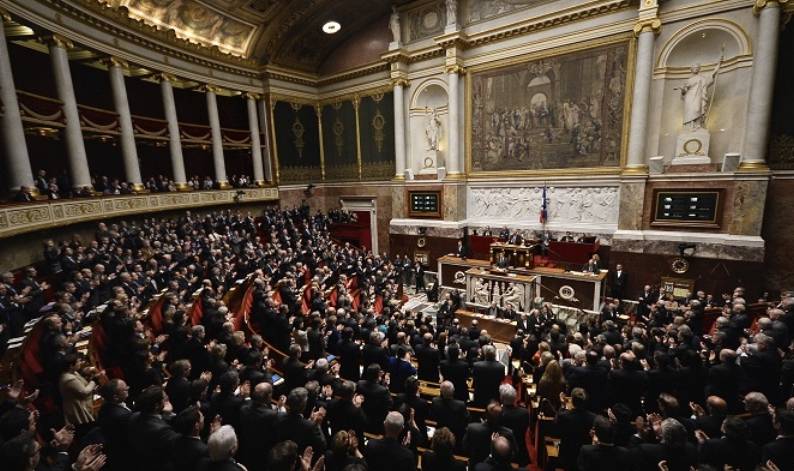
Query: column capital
point(400, 82)
point(761, 4)
point(208, 88)
point(5, 16)
point(115, 62)
point(58, 41)
point(251, 96)
point(650, 24)
point(455, 69)
point(164, 77)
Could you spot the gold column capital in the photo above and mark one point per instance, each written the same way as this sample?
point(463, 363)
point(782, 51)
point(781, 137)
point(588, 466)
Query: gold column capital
point(58, 41)
point(761, 4)
point(208, 88)
point(650, 24)
point(115, 62)
point(454, 69)
point(5, 16)
point(164, 77)
point(400, 82)
point(251, 96)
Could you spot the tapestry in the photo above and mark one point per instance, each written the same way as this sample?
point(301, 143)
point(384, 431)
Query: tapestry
point(559, 112)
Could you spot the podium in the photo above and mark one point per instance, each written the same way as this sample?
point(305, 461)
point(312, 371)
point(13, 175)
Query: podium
point(515, 256)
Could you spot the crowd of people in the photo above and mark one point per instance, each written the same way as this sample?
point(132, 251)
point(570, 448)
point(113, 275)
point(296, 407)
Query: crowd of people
point(325, 369)
point(54, 188)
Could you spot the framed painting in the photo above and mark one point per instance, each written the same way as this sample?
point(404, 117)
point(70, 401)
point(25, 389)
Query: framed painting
point(563, 110)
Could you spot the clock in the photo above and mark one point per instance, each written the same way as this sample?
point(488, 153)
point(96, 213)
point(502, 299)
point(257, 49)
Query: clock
point(679, 265)
point(421, 242)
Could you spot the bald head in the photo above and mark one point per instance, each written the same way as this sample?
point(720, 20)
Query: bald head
point(447, 390)
point(262, 393)
point(716, 405)
point(393, 425)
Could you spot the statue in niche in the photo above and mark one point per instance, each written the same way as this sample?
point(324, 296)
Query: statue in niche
point(432, 129)
point(394, 24)
point(697, 100)
point(452, 12)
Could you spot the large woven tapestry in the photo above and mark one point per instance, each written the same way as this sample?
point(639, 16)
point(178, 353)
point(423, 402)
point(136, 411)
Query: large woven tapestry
point(559, 112)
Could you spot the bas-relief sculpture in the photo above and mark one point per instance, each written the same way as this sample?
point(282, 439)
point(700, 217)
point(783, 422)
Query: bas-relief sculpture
point(559, 112)
point(194, 21)
point(424, 22)
point(585, 205)
point(477, 10)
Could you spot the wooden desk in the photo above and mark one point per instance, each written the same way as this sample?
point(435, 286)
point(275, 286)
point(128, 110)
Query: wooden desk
point(573, 289)
point(452, 270)
point(518, 256)
point(501, 330)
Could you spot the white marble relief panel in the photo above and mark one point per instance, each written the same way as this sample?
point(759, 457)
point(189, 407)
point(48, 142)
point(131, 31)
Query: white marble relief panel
point(565, 205)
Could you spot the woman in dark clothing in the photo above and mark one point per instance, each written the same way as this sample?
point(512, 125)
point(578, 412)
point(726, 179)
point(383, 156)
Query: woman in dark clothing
point(343, 452)
point(441, 458)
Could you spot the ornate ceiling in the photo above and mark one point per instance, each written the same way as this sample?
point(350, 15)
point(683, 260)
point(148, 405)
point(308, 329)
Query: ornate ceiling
point(284, 32)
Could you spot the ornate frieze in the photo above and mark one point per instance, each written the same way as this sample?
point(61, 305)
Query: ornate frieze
point(35, 216)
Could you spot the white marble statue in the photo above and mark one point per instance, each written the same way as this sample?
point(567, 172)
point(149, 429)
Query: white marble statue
point(394, 24)
point(432, 129)
point(513, 296)
point(482, 294)
point(695, 93)
point(452, 12)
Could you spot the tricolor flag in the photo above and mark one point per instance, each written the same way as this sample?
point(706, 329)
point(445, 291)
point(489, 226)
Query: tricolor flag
point(544, 206)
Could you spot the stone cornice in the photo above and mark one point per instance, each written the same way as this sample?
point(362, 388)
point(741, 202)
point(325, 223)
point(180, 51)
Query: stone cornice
point(30, 217)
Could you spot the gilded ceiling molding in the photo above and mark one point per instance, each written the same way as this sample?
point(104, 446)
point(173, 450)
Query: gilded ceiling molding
point(379, 66)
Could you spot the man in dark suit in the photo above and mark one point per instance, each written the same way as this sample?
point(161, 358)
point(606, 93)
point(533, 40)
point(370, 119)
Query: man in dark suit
point(488, 375)
point(724, 379)
point(349, 356)
point(517, 420)
point(419, 273)
point(113, 419)
point(647, 298)
point(456, 371)
point(189, 450)
point(374, 352)
point(734, 450)
point(450, 412)
point(618, 282)
point(150, 437)
point(628, 383)
point(344, 411)
point(293, 426)
point(603, 455)
point(377, 400)
point(294, 369)
point(781, 450)
point(387, 453)
point(592, 377)
point(574, 428)
point(477, 440)
point(257, 432)
point(428, 357)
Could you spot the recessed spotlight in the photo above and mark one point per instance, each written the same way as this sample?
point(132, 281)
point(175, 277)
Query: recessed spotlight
point(331, 27)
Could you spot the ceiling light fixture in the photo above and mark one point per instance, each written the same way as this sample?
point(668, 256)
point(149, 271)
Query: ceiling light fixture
point(331, 27)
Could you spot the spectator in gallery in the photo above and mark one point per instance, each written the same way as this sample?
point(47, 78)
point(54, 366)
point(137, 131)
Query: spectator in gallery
point(42, 182)
point(23, 195)
point(207, 185)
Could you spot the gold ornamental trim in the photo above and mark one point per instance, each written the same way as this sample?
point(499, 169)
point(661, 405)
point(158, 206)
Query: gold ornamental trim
point(58, 41)
point(454, 69)
point(651, 24)
point(31, 217)
point(761, 4)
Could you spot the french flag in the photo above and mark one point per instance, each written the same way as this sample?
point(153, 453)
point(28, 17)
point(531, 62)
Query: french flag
point(544, 204)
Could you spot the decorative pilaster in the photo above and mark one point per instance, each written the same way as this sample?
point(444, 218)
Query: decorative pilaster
point(264, 127)
point(759, 103)
point(356, 106)
point(16, 149)
point(318, 110)
point(174, 141)
point(273, 134)
point(75, 147)
point(128, 151)
point(399, 128)
point(645, 31)
point(256, 146)
point(217, 139)
point(453, 153)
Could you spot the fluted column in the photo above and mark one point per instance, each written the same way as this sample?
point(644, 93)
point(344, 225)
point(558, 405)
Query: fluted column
point(128, 151)
point(217, 140)
point(638, 126)
point(453, 134)
point(256, 146)
point(264, 126)
point(399, 128)
point(75, 147)
point(759, 108)
point(174, 141)
point(16, 149)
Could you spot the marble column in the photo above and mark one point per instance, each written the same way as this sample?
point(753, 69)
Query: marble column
point(128, 151)
point(638, 126)
point(75, 147)
point(16, 149)
point(453, 134)
point(217, 140)
point(264, 126)
point(399, 129)
point(256, 146)
point(759, 108)
point(174, 141)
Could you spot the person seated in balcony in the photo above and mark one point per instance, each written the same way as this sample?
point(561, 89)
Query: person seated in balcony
point(41, 181)
point(53, 191)
point(85, 192)
point(207, 184)
point(125, 188)
point(23, 195)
